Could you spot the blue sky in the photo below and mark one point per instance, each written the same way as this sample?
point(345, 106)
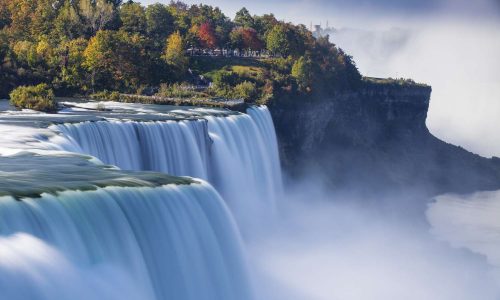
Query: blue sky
point(339, 12)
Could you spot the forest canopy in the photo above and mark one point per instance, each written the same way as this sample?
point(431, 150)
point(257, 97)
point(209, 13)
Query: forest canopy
point(85, 46)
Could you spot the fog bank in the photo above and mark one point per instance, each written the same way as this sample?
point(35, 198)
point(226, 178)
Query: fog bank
point(459, 59)
point(329, 248)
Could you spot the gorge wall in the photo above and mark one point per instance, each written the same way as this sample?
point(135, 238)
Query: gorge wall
point(375, 139)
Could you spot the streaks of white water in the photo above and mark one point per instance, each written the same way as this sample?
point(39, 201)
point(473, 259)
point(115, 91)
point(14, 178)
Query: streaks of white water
point(238, 154)
point(171, 242)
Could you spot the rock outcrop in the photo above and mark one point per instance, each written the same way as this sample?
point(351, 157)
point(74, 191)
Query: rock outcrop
point(375, 139)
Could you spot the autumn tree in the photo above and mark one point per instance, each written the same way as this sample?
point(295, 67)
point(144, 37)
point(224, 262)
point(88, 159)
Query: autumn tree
point(206, 35)
point(245, 38)
point(116, 60)
point(174, 52)
point(29, 19)
point(251, 39)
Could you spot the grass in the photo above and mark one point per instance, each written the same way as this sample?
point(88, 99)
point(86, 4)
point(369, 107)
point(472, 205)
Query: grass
point(393, 81)
point(209, 65)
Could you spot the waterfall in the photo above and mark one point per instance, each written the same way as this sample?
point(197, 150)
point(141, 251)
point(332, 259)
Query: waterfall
point(169, 242)
point(236, 153)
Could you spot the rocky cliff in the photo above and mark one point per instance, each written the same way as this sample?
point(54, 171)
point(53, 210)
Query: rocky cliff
point(375, 139)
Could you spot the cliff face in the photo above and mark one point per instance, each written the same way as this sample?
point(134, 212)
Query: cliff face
point(375, 139)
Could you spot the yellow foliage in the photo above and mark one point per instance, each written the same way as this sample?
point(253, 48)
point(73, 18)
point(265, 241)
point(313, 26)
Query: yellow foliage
point(174, 51)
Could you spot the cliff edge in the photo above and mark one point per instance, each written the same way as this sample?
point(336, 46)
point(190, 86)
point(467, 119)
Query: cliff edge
point(374, 139)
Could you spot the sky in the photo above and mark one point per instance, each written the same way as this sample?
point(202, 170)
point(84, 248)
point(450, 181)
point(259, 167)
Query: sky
point(452, 45)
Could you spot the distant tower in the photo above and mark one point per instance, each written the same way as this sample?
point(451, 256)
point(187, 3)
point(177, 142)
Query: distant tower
point(317, 30)
point(327, 24)
point(311, 27)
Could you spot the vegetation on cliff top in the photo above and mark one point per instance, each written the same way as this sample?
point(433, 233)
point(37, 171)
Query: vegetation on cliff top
point(86, 46)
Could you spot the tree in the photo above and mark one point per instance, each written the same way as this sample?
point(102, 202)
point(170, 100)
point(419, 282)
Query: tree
point(159, 21)
point(302, 72)
point(117, 59)
point(179, 11)
point(73, 76)
point(245, 38)
point(98, 56)
point(236, 39)
point(174, 52)
point(96, 13)
point(206, 35)
point(263, 24)
point(133, 17)
point(251, 39)
point(277, 41)
point(29, 19)
point(68, 23)
point(243, 18)
point(4, 14)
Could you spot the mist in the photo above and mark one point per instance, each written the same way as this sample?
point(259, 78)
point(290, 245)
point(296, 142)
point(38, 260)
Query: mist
point(333, 247)
point(458, 59)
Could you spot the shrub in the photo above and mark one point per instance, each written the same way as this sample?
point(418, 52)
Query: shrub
point(39, 97)
point(222, 79)
point(106, 96)
point(246, 90)
point(178, 90)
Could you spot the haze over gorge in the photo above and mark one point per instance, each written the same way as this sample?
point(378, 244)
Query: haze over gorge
point(155, 151)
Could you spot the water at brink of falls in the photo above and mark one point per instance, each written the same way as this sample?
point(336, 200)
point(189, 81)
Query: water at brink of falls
point(238, 154)
point(171, 242)
point(127, 241)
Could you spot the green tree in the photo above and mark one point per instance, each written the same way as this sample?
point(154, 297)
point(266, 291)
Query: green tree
point(236, 39)
point(263, 24)
point(302, 72)
point(159, 21)
point(243, 18)
point(68, 23)
point(277, 41)
point(133, 17)
point(73, 76)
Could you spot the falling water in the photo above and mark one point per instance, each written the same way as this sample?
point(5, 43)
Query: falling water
point(237, 153)
point(71, 228)
point(169, 242)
